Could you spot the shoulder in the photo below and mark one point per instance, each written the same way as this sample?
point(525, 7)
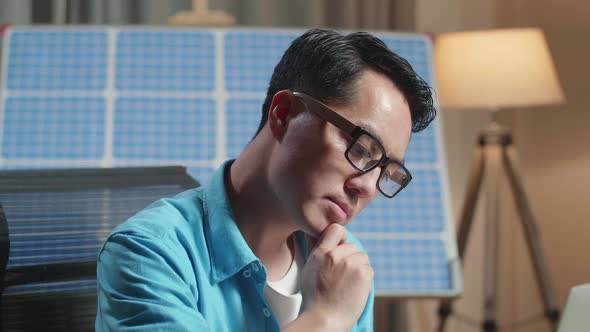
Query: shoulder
point(170, 227)
point(162, 240)
point(147, 269)
point(166, 215)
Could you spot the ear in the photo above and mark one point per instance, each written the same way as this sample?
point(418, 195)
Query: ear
point(282, 110)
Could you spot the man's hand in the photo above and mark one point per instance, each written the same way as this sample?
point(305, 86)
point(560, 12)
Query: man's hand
point(336, 280)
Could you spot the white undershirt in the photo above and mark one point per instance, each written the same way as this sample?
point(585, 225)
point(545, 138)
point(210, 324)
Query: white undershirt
point(284, 296)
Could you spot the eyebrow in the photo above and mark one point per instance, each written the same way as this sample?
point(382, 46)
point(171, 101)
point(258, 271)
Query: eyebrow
point(371, 129)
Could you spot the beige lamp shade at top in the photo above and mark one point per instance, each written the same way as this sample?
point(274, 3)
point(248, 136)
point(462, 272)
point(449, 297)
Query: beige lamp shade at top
point(495, 69)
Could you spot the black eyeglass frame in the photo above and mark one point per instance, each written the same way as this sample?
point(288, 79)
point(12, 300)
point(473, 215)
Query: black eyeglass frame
point(354, 131)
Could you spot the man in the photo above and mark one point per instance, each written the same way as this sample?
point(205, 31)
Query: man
point(262, 245)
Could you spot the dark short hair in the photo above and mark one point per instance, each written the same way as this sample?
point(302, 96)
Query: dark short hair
point(325, 64)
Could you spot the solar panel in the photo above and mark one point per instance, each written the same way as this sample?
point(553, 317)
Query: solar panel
point(158, 96)
point(58, 219)
point(56, 222)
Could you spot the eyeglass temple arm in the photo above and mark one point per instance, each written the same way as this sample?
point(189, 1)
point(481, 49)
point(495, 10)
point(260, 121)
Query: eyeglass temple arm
point(327, 114)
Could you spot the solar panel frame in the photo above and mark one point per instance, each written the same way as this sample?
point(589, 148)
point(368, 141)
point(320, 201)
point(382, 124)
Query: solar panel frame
point(55, 242)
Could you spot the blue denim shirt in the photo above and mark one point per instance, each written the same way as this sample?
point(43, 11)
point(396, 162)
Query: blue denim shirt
point(182, 264)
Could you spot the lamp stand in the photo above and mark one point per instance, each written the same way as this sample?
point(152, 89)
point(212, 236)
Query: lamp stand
point(495, 151)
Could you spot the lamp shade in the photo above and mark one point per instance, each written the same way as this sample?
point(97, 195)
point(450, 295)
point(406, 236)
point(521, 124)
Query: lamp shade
point(495, 69)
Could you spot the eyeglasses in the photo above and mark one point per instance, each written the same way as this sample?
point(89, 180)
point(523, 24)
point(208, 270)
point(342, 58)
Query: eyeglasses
point(364, 152)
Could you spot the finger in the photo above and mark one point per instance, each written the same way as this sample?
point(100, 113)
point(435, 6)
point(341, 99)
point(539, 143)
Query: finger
point(358, 258)
point(343, 240)
point(342, 251)
point(333, 235)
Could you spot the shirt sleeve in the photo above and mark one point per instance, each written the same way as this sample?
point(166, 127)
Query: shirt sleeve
point(142, 286)
point(365, 322)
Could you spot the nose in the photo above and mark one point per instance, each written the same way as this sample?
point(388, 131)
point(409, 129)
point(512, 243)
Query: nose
point(364, 184)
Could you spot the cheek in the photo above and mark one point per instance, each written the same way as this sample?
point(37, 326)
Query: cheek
point(310, 165)
point(364, 202)
point(325, 164)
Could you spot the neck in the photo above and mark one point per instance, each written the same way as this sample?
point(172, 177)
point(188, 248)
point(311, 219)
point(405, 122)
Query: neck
point(264, 224)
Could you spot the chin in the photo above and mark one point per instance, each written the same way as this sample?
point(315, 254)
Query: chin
point(314, 225)
point(315, 229)
point(316, 217)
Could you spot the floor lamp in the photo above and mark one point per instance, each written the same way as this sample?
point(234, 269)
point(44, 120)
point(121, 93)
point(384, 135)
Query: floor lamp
point(496, 70)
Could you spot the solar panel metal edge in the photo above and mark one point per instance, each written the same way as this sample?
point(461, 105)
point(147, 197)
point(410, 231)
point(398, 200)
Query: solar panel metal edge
point(449, 235)
point(80, 178)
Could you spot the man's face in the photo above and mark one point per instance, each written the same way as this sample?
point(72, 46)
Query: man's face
point(308, 169)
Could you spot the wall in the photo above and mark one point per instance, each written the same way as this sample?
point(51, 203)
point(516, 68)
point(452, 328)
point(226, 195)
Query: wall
point(15, 12)
point(552, 143)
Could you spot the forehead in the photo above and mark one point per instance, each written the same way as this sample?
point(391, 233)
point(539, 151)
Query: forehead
point(381, 109)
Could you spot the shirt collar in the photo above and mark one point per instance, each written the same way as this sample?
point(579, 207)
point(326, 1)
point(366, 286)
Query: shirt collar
point(228, 251)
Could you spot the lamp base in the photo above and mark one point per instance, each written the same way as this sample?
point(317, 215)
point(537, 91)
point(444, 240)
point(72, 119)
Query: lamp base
point(202, 18)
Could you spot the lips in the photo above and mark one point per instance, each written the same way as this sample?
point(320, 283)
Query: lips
point(343, 206)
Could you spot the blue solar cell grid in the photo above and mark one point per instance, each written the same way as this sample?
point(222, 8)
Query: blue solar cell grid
point(242, 117)
point(423, 148)
point(157, 96)
point(416, 49)
point(53, 127)
point(409, 265)
point(250, 58)
point(164, 128)
point(57, 60)
point(202, 174)
point(418, 209)
point(165, 61)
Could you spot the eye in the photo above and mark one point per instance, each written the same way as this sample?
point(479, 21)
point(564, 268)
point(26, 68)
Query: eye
point(398, 177)
point(375, 151)
point(359, 151)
